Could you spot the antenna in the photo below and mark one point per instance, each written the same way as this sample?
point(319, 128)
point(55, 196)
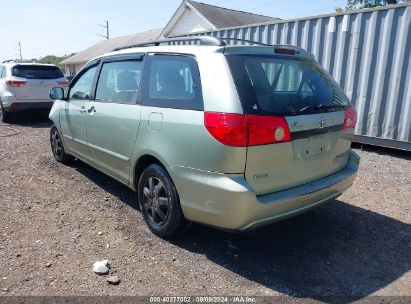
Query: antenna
point(107, 36)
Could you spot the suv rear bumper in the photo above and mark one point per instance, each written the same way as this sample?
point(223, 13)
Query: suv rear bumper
point(227, 201)
point(17, 105)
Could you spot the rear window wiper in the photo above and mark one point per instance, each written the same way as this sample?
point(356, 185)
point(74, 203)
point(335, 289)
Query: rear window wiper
point(320, 107)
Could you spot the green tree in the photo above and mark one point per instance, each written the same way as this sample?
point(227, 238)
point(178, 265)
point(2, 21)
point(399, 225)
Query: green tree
point(358, 4)
point(56, 60)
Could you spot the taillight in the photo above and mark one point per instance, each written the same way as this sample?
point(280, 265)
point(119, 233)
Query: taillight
point(15, 83)
point(63, 83)
point(284, 51)
point(229, 129)
point(264, 130)
point(350, 118)
point(240, 130)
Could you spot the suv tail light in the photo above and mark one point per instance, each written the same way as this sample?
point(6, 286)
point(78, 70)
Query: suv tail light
point(63, 84)
point(15, 83)
point(350, 118)
point(229, 129)
point(241, 130)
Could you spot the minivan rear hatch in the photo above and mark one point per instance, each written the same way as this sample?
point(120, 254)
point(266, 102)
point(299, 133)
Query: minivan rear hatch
point(33, 82)
point(296, 90)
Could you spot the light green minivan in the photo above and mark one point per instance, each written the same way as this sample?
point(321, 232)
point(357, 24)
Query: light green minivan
point(234, 137)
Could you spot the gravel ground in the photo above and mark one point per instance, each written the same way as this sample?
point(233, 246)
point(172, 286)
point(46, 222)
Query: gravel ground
point(57, 220)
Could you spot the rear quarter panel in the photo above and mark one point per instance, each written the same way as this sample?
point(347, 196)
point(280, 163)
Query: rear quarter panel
point(219, 90)
point(178, 138)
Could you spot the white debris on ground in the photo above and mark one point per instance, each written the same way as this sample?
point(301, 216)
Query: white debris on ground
point(101, 267)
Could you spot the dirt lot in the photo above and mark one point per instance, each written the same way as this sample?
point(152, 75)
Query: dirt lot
point(57, 220)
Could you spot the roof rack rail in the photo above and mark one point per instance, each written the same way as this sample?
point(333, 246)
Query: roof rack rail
point(9, 60)
point(243, 40)
point(204, 40)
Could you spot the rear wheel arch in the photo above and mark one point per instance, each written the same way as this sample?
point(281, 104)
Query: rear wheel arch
point(158, 198)
point(143, 162)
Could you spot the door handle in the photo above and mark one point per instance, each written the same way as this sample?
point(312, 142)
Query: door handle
point(91, 110)
point(82, 110)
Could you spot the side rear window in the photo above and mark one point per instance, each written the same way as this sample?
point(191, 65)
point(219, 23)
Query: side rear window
point(2, 69)
point(37, 72)
point(119, 82)
point(172, 82)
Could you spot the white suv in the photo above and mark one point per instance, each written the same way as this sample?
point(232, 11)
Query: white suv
point(26, 86)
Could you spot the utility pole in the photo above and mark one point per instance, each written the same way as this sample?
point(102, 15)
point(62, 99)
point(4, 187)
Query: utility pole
point(107, 36)
point(19, 45)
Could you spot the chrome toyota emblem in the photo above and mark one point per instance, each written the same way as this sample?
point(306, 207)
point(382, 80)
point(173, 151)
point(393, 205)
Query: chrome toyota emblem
point(322, 122)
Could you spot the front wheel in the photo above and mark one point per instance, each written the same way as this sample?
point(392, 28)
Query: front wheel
point(57, 146)
point(160, 203)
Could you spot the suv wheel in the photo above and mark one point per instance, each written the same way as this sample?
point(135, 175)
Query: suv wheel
point(57, 146)
point(4, 116)
point(160, 203)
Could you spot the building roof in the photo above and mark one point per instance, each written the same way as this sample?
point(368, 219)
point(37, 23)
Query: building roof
point(216, 17)
point(222, 17)
point(109, 45)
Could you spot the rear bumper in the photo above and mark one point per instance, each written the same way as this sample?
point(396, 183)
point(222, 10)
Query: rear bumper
point(18, 105)
point(228, 202)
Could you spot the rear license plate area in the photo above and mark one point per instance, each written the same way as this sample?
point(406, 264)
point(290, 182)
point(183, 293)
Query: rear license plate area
point(310, 147)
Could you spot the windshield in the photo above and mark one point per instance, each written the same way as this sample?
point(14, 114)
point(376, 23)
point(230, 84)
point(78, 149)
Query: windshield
point(274, 85)
point(37, 72)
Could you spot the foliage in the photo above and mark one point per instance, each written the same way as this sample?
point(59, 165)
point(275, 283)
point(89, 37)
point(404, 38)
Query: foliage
point(358, 4)
point(56, 60)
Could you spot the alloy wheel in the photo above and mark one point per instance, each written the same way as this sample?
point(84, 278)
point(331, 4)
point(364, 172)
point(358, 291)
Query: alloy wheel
point(156, 201)
point(56, 144)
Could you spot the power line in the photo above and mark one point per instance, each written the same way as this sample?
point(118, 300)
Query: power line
point(138, 24)
point(56, 46)
point(107, 36)
point(266, 4)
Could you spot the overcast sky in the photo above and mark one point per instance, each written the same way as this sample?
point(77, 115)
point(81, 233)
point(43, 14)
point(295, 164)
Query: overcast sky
point(62, 27)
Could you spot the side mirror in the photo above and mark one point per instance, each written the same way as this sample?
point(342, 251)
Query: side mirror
point(56, 93)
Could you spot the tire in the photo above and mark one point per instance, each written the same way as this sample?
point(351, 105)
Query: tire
point(57, 147)
point(160, 203)
point(4, 116)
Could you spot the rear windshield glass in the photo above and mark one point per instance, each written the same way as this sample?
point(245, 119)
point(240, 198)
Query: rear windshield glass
point(275, 85)
point(37, 72)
